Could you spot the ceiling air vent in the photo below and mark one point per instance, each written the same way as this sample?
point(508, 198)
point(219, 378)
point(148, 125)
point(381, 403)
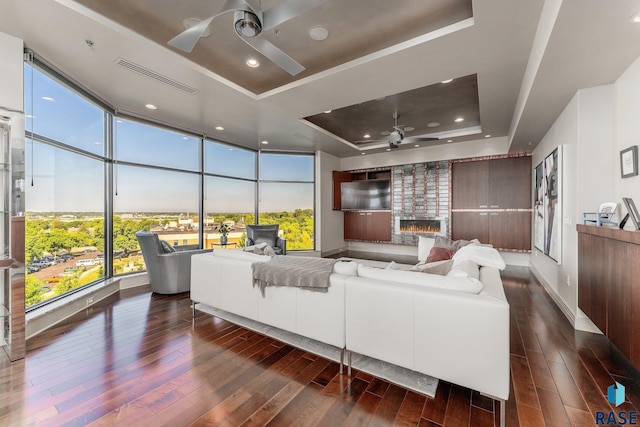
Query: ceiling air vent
point(158, 77)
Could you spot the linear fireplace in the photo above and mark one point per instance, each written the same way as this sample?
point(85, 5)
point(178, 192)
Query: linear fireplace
point(423, 225)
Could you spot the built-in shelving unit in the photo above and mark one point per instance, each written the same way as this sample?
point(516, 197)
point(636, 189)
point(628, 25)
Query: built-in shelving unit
point(12, 291)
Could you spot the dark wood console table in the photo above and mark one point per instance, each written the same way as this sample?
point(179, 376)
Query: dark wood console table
point(609, 284)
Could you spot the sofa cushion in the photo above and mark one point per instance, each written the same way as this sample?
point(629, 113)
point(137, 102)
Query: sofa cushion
point(346, 268)
point(466, 268)
point(484, 256)
point(462, 284)
point(439, 267)
point(241, 255)
point(439, 254)
point(424, 247)
point(443, 242)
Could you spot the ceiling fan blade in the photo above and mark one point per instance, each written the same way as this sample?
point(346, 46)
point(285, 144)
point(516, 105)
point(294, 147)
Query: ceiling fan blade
point(370, 140)
point(286, 10)
point(419, 139)
point(274, 54)
point(187, 39)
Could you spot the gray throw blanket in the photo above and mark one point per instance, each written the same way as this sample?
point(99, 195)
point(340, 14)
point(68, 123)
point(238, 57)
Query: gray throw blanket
point(284, 270)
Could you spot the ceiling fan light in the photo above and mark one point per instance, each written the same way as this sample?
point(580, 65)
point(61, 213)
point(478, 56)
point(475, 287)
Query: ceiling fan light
point(247, 24)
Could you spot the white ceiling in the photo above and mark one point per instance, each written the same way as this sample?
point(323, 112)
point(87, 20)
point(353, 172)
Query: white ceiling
point(580, 43)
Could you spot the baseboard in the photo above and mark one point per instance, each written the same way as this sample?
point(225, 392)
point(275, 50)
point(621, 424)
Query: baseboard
point(554, 296)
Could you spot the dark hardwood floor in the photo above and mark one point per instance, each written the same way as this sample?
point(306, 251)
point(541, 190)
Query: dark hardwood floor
point(139, 359)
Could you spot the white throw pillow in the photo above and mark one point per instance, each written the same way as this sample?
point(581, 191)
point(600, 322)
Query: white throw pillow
point(346, 268)
point(465, 268)
point(463, 284)
point(424, 247)
point(484, 256)
point(241, 255)
point(438, 267)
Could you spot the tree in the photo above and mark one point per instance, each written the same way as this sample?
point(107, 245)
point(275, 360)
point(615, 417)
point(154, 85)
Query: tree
point(33, 293)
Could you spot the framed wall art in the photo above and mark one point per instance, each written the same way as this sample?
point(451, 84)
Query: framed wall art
point(629, 162)
point(548, 206)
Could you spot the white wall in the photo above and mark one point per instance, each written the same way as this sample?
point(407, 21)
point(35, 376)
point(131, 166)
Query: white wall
point(594, 127)
point(11, 78)
point(627, 131)
point(329, 223)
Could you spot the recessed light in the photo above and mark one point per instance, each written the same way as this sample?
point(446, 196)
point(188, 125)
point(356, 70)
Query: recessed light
point(327, 111)
point(253, 63)
point(151, 107)
point(417, 145)
point(459, 119)
point(388, 149)
point(219, 128)
point(190, 22)
point(487, 136)
point(48, 98)
point(318, 33)
point(264, 142)
point(366, 135)
point(433, 124)
point(450, 140)
point(446, 81)
point(635, 19)
point(363, 153)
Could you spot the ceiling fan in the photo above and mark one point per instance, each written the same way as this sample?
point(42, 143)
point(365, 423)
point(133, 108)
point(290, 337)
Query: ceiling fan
point(397, 136)
point(249, 21)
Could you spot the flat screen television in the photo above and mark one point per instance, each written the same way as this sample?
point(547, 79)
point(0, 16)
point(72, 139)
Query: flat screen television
point(366, 195)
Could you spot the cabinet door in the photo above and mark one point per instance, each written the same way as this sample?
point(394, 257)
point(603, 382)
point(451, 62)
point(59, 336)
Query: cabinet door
point(354, 225)
point(338, 178)
point(379, 226)
point(470, 225)
point(593, 278)
point(510, 230)
point(510, 183)
point(470, 185)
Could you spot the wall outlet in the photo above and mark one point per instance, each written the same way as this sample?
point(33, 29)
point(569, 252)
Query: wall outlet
point(89, 301)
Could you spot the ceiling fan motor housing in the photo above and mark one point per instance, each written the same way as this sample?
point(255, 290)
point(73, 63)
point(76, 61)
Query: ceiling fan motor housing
point(247, 24)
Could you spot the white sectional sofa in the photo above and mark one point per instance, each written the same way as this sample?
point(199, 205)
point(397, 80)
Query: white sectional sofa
point(457, 336)
point(223, 279)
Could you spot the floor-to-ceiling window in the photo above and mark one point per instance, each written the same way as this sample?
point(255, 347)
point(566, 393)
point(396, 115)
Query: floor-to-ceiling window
point(155, 188)
point(95, 178)
point(287, 196)
point(64, 189)
point(229, 193)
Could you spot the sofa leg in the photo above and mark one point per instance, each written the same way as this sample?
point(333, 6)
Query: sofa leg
point(348, 363)
point(342, 361)
point(193, 308)
point(502, 404)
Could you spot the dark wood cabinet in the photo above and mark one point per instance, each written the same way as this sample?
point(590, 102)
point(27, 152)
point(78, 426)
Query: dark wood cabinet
point(470, 225)
point(492, 184)
point(470, 184)
point(338, 178)
point(510, 183)
point(503, 230)
point(491, 202)
point(609, 284)
point(367, 225)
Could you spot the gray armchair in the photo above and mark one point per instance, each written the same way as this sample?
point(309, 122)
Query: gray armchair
point(169, 270)
point(268, 234)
